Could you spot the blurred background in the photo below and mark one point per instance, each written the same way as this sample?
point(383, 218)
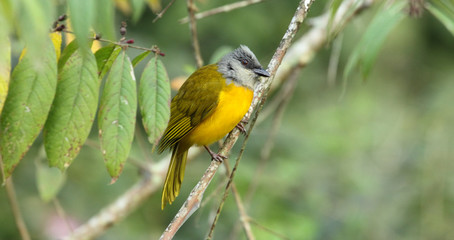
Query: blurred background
point(353, 158)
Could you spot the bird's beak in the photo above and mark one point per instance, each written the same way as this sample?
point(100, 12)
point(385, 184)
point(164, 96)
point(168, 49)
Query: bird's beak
point(261, 72)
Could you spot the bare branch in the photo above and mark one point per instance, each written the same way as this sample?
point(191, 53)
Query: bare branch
point(193, 28)
point(222, 9)
point(161, 13)
point(244, 217)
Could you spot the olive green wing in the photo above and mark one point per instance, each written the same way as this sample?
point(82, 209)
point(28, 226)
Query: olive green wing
point(196, 99)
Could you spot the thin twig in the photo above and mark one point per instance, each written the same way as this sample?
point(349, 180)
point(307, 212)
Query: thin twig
point(159, 15)
point(221, 9)
point(244, 217)
point(153, 49)
point(193, 201)
point(227, 187)
point(193, 28)
point(20, 223)
point(241, 208)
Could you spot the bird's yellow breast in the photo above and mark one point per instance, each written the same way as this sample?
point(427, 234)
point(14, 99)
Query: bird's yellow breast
point(234, 102)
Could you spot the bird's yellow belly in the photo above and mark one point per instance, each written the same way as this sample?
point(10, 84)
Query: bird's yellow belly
point(234, 102)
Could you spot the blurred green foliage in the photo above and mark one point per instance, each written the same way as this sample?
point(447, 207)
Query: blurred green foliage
point(368, 160)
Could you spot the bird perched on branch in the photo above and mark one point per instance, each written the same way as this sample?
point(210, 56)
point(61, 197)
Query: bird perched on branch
point(211, 102)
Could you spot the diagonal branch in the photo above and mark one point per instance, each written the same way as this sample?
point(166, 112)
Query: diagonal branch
point(160, 14)
point(193, 201)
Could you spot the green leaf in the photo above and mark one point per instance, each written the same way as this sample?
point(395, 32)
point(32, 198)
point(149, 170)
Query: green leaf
point(219, 53)
point(105, 57)
point(81, 14)
point(366, 52)
point(105, 16)
point(67, 53)
point(117, 115)
point(73, 111)
point(5, 66)
point(49, 181)
point(443, 11)
point(139, 58)
point(32, 89)
point(154, 99)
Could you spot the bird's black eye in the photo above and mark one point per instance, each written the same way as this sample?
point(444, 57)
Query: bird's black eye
point(244, 62)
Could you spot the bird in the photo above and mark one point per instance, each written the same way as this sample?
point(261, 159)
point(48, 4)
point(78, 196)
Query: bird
point(209, 104)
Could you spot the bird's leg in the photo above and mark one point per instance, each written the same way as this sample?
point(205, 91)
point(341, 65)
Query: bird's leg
point(215, 156)
point(240, 126)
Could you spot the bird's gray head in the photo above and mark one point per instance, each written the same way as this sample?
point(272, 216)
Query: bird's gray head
point(242, 67)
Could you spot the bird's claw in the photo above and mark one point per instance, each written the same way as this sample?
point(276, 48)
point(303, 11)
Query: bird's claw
point(218, 157)
point(241, 127)
point(215, 156)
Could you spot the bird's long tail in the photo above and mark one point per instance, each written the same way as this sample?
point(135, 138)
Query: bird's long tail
point(175, 174)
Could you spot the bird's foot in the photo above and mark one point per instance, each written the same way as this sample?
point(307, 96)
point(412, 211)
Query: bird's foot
point(215, 156)
point(241, 127)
